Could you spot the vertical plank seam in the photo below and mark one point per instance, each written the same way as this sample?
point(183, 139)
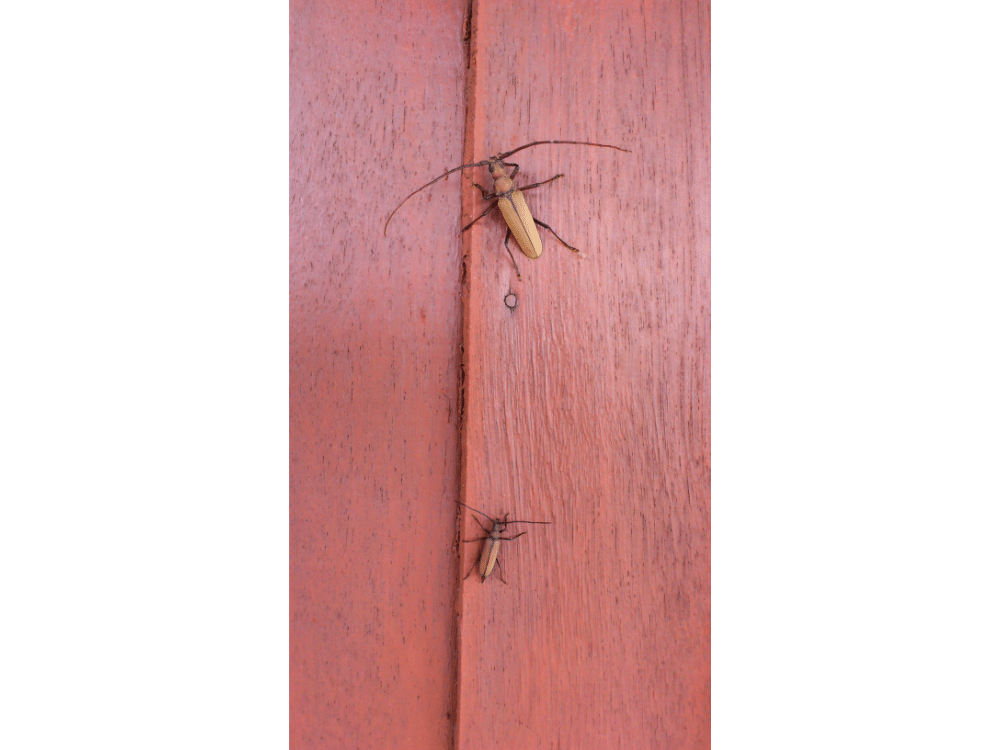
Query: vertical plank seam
point(468, 151)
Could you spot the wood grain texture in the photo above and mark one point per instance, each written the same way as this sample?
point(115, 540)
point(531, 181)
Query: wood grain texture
point(376, 100)
point(589, 404)
point(586, 405)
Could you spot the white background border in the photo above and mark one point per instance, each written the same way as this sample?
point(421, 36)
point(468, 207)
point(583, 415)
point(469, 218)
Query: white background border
point(144, 415)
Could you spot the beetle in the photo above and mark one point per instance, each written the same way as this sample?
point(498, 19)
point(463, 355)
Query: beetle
point(494, 535)
point(509, 198)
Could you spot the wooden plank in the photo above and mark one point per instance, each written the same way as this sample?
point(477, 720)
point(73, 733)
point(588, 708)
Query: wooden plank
point(589, 403)
point(376, 105)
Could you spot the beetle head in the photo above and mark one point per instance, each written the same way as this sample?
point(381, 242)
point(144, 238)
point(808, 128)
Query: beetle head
point(497, 168)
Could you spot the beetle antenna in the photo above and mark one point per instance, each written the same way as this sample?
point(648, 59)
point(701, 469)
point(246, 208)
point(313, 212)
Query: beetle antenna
point(489, 518)
point(579, 143)
point(528, 522)
point(464, 166)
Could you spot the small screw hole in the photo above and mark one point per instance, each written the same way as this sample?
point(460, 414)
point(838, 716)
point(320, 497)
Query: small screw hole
point(510, 300)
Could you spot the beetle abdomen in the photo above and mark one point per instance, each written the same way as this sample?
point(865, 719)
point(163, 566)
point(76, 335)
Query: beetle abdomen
point(522, 225)
point(489, 557)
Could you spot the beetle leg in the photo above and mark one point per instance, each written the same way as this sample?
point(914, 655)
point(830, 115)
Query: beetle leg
point(512, 538)
point(500, 571)
point(475, 563)
point(479, 217)
point(539, 184)
point(541, 223)
point(506, 244)
point(477, 539)
point(486, 195)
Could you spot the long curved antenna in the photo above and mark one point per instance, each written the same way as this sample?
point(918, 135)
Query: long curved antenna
point(494, 519)
point(477, 511)
point(579, 143)
point(464, 166)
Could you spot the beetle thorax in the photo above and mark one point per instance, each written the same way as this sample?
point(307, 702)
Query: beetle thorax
point(502, 184)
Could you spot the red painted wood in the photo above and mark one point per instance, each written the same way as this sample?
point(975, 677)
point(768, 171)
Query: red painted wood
point(589, 404)
point(376, 105)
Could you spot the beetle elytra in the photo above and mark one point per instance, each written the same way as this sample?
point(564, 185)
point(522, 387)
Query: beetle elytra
point(520, 223)
point(494, 535)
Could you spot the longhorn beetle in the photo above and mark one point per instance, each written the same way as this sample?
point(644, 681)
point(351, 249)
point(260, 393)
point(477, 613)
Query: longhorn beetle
point(515, 211)
point(488, 558)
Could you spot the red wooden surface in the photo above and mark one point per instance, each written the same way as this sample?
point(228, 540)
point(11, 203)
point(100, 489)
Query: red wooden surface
point(587, 405)
point(376, 103)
